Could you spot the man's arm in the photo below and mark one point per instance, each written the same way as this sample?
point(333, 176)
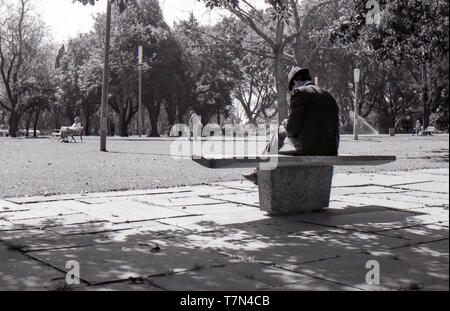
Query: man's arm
point(296, 112)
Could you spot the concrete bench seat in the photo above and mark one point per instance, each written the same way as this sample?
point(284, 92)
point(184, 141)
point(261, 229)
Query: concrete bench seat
point(297, 183)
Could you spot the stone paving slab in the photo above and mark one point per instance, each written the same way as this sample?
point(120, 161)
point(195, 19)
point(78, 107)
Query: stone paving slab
point(19, 272)
point(120, 261)
point(214, 209)
point(213, 279)
point(179, 202)
point(36, 240)
point(120, 286)
point(8, 226)
point(281, 279)
point(394, 274)
point(251, 199)
point(361, 200)
point(372, 221)
point(433, 187)
point(343, 180)
point(406, 197)
point(443, 178)
point(419, 234)
point(55, 221)
point(129, 210)
point(377, 190)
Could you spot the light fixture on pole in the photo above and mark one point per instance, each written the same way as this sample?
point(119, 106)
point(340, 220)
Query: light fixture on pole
point(105, 86)
point(357, 76)
point(140, 56)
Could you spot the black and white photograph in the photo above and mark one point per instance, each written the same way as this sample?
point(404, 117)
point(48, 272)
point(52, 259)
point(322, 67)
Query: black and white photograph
point(224, 151)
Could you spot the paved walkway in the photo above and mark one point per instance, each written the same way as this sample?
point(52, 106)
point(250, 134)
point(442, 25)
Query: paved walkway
point(215, 238)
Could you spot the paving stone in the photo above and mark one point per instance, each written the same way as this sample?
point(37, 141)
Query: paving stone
point(119, 261)
point(214, 222)
point(340, 180)
point(221, 208)
point(369, 221)
point(428, 194)
point(346, 180)
point(434, 187)
point(281, 279)
point(351, 270)
point(89, 228)
point(377, 201)
point(251, 199)
point(35, 240)
point(129, 210)
point(121, 286)
point(213, 279)
point(425, 175)
point(429, 215)
point(145, 229)
point(407, 198)
point(314, 284)
point(344, 191)
point(419, 234)
point(19, 272)
point(55, 221)
point(50, 209)
point(6, 207)
point(7, 226)
point(175, 202)
point(241, 184)
point(214, 189)
point(434, 171)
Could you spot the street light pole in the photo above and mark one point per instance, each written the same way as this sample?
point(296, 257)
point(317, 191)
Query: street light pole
point(105, 87)
point(357, 74)
point(141, 55)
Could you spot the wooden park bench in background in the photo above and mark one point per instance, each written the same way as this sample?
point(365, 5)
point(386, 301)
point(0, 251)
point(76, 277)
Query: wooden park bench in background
point(430, 130)
point(298, 183)
point(72, 135)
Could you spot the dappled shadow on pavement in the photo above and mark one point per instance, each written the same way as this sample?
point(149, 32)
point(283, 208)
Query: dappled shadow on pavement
point(232, 247)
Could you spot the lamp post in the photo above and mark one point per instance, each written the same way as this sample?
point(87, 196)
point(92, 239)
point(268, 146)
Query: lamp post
point(105, 87)
point(357, 74)
point(140, 56)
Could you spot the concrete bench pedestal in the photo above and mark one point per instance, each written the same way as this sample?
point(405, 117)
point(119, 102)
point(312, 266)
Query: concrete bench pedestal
point(291, 190)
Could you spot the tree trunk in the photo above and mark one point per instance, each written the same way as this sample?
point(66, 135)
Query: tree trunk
point(87, 119)
point(154, 132)
point(27, 124)
point(123, 130)
point(36, 119)
point(426, 108)
point(281, 84)
point(13, 121)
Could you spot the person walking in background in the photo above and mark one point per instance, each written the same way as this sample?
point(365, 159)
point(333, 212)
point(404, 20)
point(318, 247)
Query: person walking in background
point(417, 129)
point(195, 125)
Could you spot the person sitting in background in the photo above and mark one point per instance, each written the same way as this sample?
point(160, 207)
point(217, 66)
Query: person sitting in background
point(66, 131)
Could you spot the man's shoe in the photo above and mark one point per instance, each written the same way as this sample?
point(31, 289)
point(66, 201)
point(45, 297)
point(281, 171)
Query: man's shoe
point(253, 177)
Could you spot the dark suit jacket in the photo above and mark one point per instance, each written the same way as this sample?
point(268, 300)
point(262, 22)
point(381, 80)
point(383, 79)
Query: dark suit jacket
point(313, 122)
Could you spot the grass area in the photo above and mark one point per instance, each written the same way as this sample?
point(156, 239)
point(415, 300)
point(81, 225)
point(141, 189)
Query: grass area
point(42, 167)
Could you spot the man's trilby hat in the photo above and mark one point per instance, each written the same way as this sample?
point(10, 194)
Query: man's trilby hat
point(293, 73)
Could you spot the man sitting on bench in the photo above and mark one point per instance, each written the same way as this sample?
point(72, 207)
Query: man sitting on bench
point(312, 127)
point(74, 129)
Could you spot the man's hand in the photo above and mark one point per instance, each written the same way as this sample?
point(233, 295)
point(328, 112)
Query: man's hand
point(284, 123)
